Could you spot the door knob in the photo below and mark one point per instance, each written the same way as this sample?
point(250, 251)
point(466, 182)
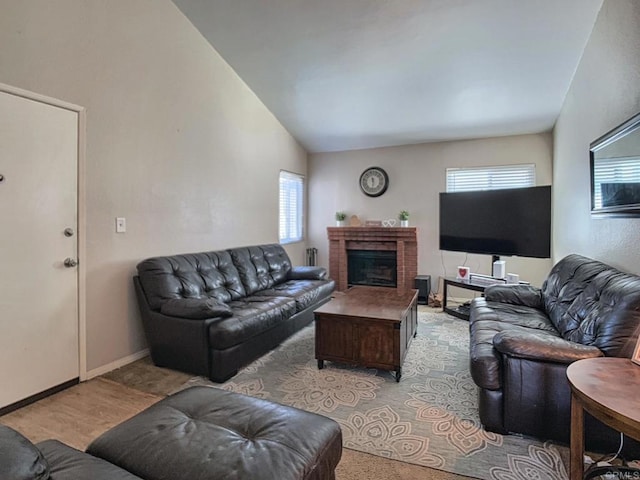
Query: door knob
point(70, 262)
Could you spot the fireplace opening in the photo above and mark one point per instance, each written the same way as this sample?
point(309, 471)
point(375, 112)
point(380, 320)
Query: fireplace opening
point(377, 268)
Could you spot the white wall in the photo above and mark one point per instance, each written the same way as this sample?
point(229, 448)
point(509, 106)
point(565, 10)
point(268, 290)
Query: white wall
point(417, 176)
point(605, 92)
point(176, 142)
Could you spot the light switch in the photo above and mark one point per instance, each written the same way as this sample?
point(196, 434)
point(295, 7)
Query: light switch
point(121, 225)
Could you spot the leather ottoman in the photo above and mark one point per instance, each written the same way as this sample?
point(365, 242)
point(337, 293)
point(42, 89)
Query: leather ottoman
point(208, 433)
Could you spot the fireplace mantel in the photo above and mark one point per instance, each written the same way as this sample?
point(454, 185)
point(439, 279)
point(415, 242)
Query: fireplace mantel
point(402, 240)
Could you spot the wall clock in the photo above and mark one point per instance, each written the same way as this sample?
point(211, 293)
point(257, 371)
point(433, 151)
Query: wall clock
point(374, 181)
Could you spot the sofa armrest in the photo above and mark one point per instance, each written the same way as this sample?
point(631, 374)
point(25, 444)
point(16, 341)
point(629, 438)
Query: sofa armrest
point(307, 273)
point(19, 458)
point(542, 347)
point(516, 295)
point(178, 343)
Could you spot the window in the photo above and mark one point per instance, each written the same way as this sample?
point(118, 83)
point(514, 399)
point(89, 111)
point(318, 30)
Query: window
point(291, 206)
point(491, 178)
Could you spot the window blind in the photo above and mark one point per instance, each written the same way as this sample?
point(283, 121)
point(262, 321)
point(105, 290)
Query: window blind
point(491, 178)
point(291, 207)
point(614, 170)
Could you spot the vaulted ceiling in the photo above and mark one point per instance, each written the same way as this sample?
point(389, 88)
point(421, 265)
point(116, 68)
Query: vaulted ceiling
point(352, 74)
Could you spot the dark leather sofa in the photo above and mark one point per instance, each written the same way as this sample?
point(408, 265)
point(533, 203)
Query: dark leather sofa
point(211, 313)
point(202, 433)
point(523, 338)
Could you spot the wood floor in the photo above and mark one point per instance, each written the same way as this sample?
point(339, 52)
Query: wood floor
point(78, 415)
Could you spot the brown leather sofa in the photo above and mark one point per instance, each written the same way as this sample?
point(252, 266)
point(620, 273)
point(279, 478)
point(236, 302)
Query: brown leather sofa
point(197, 434)
point(211, 313)
point(523, 338)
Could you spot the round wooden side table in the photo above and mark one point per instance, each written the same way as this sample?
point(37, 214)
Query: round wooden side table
point(609, 389)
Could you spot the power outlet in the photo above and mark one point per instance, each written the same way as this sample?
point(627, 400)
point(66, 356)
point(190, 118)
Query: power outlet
point(121, 225)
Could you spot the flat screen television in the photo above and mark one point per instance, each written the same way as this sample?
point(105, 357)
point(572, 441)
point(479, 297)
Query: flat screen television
point(515, 221)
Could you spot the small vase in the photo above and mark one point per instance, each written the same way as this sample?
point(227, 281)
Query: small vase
point(404, 223)
point(339, 223)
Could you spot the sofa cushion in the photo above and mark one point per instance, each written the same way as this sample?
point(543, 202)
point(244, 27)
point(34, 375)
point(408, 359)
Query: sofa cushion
point(19, 458)
point(305, 292)
point(67, 463)
point(510, 314)
point(606, 314)
point(251, 316)
point(252, 267)
point(196, 275)
point(197, 308)
point(279, 262)
point(566, 281)
point(260, 267)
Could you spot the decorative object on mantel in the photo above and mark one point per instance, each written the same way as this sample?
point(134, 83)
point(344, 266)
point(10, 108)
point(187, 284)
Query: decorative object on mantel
point(373, 223)
point(403, 216)
point(354, 221)
point(389, 223)
point(340, 218)
point(374, 181)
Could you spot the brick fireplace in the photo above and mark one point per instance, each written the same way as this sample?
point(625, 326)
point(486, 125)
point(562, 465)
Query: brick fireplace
point(401, 240)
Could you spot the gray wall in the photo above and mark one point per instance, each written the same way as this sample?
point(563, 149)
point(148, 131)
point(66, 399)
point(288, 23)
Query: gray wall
point(605, 92)
point(176, 143)
point(417, 176)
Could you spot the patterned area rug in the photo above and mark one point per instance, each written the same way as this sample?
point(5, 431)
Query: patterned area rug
point(430, 418)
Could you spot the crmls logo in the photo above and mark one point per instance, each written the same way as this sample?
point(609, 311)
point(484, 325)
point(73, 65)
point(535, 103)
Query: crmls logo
point(616, 475)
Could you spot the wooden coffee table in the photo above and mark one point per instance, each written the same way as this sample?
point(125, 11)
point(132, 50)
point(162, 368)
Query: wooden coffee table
point(367, 326)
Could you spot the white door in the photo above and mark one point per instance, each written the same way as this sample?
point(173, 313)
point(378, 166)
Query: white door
point(38, 293)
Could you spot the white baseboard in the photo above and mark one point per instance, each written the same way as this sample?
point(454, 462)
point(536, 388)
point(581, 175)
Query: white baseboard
point(96, 372)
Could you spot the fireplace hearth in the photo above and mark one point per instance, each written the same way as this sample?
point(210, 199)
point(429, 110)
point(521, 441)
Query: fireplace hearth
point(371, 267)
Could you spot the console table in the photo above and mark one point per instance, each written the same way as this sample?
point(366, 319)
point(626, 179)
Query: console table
point(459, 311)
point(607, 388)
point(467, 285)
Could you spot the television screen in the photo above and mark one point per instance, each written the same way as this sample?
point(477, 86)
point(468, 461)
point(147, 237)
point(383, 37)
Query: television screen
point(515, 221)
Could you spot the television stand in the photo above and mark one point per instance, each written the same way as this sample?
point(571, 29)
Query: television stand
point(460, 311)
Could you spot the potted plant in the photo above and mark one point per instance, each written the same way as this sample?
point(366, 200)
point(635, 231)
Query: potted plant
point(340, 218)
point(403, 216)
